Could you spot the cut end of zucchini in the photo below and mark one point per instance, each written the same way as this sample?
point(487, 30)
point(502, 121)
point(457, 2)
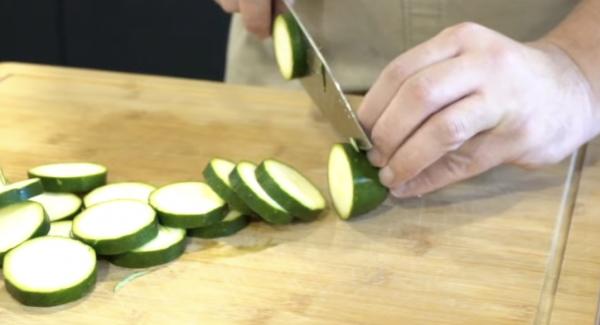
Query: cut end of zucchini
point(293, 191)
point(165, 247)
point(50, 271)
point(61, 229)
point(70, 177)
point(246, 186)
point(216, 175)
point(116, 227)
point(119, 191)
point(20, 222)
point(290, 47)
point(353, 182)
point(59, 206)
point(188, 205)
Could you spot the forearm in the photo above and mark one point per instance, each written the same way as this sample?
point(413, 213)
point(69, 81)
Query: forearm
point(579, 36)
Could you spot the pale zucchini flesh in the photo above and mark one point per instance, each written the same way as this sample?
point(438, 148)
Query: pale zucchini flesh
point(50, 271)
point(188, 205)
point(165, 247)
point(244, 183)
point(59, 206)
point(290, 47)
point(292, 190)
point(115, 191)
point(61, 228)
point(233, 222)
point(353, 182)
point(116, 227)
point(20, 222)
point(70, 177)
point(216, 175)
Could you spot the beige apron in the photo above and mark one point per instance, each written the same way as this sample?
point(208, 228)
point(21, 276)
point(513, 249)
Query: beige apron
point(361, 36)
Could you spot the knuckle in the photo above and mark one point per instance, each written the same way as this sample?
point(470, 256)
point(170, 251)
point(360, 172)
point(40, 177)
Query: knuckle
point(502, 55)
point(397, 70)
point(465, 31)
point(422, 89)
point(458, 164)
point(452, 131)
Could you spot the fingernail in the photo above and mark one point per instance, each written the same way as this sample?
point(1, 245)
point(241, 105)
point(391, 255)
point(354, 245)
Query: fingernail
point(386, 176)
point(374, 157)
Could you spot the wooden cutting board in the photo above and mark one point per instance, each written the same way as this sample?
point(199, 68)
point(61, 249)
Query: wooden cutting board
point(474, 253)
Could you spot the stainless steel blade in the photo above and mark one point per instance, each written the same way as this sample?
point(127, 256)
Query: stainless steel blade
point(326, 92)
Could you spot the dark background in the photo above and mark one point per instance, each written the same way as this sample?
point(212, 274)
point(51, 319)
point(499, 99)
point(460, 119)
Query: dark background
point(185, 38)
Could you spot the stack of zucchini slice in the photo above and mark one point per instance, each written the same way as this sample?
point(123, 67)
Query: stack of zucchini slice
point(49, 240)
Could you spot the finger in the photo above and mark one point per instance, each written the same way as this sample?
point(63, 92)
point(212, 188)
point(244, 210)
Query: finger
point(256, 15)
point(435, 50)
point(478, 155)
point(443, 133)
point(422, 95)
point(229, 6)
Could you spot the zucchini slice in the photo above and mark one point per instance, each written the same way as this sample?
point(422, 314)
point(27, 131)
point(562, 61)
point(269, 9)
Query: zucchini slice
point(233, 222)
point(353, 182)
point(8, 196)
point(50, 271)
point(216, 175)
point(28, 188)
point(126, 190)
point(20, 222)
point(294, 192)
point(70, 177)
point(59, 206)
point(188, 205)
point(61, 229)
point(168, 245)
point(244, 183)
point(290, 47)
point(116, 227)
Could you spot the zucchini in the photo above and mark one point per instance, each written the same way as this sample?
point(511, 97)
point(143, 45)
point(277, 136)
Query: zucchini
point(216, 175)
point(116, 227)
point(20, 222)
point(353, 182)
point(61, 228)
point(59, 206)
point(244, 183)
point(233, 222)
point(70, 177)
point(8, 196)
point(165, 247)
point(126, 190)
point(28, 188)
point(294, 192)
point(50, 271)
point(290, 47)
point(188, 205)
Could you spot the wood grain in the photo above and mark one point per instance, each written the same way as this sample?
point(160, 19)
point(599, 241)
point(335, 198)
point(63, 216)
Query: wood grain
point(579, 285)
point(474, 253)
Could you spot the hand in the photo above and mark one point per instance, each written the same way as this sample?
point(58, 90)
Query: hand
point(256, 14)
point(470, 99)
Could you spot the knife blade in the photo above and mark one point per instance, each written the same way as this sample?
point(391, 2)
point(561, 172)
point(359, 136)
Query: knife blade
point(325, 91)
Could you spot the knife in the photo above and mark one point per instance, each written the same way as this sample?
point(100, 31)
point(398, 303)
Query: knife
point(324, 89)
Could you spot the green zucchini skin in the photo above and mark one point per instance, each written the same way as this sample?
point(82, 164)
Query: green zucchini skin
point(192, 221)
point(42, 229)
point(42, 299)
point(122, 244)
point(368, 193)
point(221, 229)
point(298, 46)
point(70, 184)
point(262, 208)
point(28, 188)
point(223, 190)
point(9, 196)
point(288, 202)
point(149, 259)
